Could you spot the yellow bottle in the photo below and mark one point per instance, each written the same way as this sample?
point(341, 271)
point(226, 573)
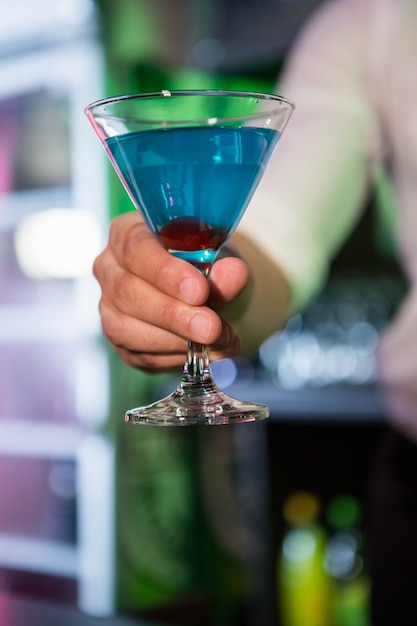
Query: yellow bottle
point(304, 587)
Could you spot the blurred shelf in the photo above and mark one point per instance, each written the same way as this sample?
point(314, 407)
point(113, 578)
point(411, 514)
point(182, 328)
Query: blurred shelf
point(18, 204)
point(27, 27)
point(38, 555)
point(329, 403)
point(37, 439)
point(37, 323)
point(21, 611)
point(334, 403)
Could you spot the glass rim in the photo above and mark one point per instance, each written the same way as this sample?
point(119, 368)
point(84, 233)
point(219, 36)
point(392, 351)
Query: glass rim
point(167, 93)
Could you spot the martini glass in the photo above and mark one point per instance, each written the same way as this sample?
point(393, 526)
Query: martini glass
point(190, 162)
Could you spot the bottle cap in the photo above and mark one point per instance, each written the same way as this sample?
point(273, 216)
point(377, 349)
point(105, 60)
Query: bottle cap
point(343, 511)
point(301, 507)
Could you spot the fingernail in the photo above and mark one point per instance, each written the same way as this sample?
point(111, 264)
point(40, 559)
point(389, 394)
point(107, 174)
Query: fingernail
point(189, 289)
point(200, 326)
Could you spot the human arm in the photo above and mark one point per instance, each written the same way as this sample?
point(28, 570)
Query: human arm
point(315, 188)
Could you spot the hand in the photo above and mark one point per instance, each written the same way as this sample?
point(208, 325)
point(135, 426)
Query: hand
point(152, 302)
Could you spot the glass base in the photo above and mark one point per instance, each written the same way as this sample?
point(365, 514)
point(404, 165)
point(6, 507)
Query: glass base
point(190, 408)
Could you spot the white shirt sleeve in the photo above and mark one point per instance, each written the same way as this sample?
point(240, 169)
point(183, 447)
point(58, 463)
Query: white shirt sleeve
point(314, 188)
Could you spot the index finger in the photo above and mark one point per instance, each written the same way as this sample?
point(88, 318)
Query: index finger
point(137, 250)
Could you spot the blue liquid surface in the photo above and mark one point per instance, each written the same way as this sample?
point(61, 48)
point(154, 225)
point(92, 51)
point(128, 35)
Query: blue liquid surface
point(206, 175)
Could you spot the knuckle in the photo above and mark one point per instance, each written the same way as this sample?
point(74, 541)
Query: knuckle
point(134, 236)
point(97, 267)
point(112, 328)
point(164, 273)
point(121, 288)
point(115, 232)
point(174, 316)
point(130, 246)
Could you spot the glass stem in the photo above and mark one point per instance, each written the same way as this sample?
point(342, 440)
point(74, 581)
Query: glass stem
point(196, 374)
point(196, 371)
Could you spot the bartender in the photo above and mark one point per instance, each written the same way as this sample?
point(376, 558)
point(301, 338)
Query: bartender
point(352, 76)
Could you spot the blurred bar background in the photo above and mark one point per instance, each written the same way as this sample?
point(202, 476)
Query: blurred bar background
point(253, 525)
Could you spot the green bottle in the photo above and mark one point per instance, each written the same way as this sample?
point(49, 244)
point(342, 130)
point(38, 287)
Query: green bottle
point(345, 562)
